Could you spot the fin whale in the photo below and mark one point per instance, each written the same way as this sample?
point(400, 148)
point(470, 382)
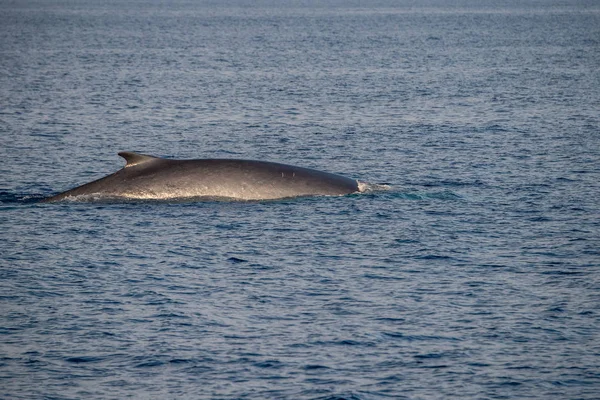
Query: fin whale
point(154, 178)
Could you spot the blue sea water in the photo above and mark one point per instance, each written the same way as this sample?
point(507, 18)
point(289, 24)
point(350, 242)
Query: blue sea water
point(476, 276)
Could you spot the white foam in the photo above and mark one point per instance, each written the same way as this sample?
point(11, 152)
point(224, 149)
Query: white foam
point(366, 187)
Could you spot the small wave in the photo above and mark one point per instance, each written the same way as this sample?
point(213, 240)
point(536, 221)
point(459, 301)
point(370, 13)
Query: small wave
point(345, 396)
point(20, 198)
point(235, 260)
point(93, 198)
point(365, 187)
point(394, 192)
point(312, 367)
point(419, 195)
point(84, 359)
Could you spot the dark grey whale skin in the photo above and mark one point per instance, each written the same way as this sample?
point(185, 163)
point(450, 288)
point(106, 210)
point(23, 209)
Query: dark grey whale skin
point(153, 178)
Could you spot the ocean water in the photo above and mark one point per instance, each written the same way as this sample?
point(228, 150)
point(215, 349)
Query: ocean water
point(476, 276)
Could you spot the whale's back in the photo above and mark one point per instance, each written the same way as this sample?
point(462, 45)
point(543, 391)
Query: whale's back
point(147, 177)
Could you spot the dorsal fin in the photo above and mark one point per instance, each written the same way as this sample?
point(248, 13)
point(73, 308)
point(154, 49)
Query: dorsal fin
point(135, 158)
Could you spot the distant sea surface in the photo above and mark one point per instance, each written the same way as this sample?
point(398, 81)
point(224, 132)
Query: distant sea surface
point(475, 276)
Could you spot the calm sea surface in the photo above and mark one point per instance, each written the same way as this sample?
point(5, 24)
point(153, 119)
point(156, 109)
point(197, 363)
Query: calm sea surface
point(476, 276)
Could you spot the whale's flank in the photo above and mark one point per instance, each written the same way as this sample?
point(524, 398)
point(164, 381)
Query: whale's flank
point(149, 177)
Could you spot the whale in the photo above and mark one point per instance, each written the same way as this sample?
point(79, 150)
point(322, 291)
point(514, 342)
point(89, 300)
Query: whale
point(146, 177)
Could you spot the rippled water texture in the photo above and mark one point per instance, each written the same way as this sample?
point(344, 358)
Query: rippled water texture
point(474, 277)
